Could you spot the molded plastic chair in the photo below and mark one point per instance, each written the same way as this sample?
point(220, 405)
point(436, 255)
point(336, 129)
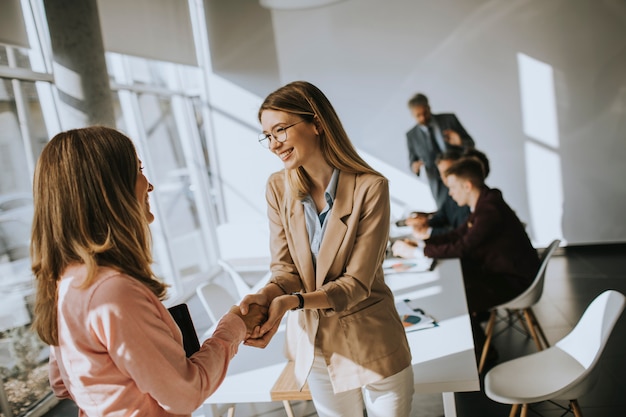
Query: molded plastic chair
point(522, 307)
point(215, 299)
point(564, 371)
point(243, 288)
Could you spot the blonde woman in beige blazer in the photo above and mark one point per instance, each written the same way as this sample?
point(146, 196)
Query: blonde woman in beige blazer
point(329, 223)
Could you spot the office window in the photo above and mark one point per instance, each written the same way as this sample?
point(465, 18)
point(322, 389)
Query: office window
point(23, 357)
point(163, 115)
point(14, 57)
point(173, 186)
point(158, 108)
point(161, 107)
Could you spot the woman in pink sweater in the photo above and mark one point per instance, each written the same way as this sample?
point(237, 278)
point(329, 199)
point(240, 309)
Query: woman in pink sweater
point(115, 349)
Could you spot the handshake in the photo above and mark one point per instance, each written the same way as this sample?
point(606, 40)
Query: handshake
point(256, 316)
point(262, 316)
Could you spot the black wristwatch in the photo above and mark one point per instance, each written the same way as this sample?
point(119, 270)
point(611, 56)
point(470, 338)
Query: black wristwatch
point(301, 299)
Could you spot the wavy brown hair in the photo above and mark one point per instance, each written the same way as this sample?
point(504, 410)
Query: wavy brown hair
point(307, 101)
point(86, 212)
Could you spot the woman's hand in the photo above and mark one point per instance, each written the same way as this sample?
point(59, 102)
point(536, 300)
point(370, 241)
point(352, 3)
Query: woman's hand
point(256, 315)
point(263, 297)
point(278, 307)
point(256, 340)
point(259, 298)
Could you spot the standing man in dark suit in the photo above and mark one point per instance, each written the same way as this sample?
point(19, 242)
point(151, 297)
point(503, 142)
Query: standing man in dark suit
point(433, 134)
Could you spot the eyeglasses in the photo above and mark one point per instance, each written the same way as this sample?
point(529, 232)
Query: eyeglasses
point(279, 134)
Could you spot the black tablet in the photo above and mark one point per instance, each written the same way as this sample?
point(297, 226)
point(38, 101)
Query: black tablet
point(181, 316)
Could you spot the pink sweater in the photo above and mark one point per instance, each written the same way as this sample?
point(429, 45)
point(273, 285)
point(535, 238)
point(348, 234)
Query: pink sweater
point(120, 352)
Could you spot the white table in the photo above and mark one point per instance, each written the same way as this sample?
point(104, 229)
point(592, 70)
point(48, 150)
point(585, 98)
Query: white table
point(443, 356)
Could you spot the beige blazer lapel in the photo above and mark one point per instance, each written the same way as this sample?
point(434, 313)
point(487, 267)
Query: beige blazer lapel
point(336, 228)
point(300, 236)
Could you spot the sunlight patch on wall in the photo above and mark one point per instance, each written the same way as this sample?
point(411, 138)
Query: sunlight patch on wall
point(543, 162)
point(545, 193)
point(538, 100)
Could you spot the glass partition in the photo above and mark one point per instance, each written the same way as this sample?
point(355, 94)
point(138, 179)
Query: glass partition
point(23, 357)
point(163, 108)
point(15, 57)
point(158, 113)
point(173, 186)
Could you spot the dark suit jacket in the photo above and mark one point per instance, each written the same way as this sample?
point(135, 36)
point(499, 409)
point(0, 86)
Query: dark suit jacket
point(421, 149)
point(498, 259)
point(448, 217)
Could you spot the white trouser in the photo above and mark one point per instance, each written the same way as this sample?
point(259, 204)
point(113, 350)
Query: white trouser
point(389, 397)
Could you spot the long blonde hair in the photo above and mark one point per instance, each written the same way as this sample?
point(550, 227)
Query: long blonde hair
point(307, 101)
point(86, 211)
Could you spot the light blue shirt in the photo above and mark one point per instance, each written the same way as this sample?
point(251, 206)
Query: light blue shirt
point(316, 223)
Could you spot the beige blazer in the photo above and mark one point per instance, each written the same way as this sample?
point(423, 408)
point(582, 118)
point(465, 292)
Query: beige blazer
point(361, 336)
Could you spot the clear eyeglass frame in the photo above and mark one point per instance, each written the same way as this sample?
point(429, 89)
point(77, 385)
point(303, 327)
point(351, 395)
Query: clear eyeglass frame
point(279, 134)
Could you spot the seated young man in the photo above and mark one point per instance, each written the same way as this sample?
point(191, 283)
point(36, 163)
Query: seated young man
point(450, 215)
point(497, 257)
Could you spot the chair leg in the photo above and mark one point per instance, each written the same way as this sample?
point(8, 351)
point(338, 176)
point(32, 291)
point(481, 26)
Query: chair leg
point(576, 408)
point(488, 336)
point(531, 327)
point(524, 412)
point(544, 339)
point(514, 409)
point(522, 320)
point(288, 408)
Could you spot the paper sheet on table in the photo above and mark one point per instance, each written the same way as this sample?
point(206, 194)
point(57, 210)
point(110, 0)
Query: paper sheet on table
point(398, 265)
point(414, 318)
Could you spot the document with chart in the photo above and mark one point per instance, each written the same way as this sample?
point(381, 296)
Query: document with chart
point(414, 318)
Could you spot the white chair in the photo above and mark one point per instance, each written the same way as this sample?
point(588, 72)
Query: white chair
point(562, 372)
point(242, 287)
point(522, 307)
point(215, 299)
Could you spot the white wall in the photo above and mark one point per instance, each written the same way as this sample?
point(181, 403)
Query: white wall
point(371, 56)
point(245, 166)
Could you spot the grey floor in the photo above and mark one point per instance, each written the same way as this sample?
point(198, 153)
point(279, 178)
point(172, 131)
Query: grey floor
point(574, 277)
